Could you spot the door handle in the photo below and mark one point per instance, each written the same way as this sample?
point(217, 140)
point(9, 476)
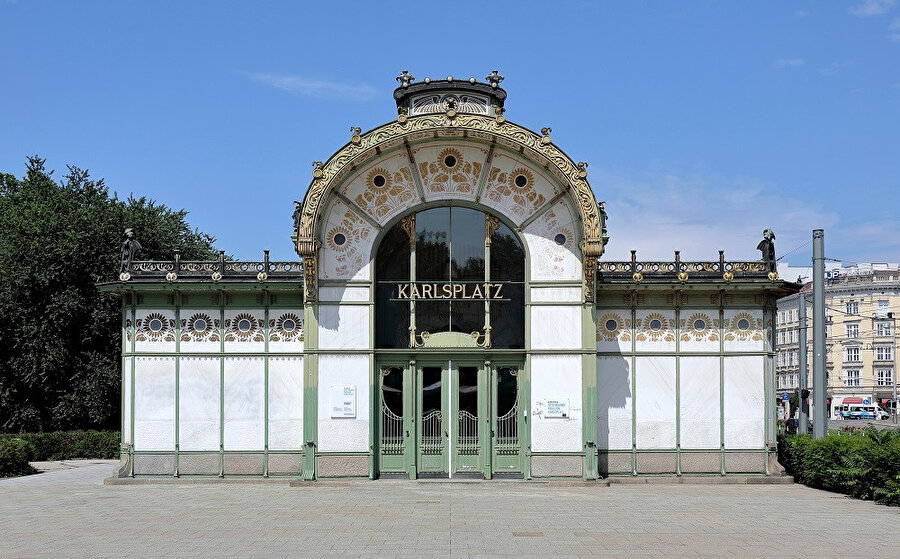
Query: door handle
point(407, 432)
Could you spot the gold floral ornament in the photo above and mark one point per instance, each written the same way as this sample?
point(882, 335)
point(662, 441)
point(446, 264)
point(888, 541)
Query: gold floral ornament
point(610, 326)
point(286, 328)
point(514, 191)
point(200, 327)
point(244, 327)
point(744, 326)
point(698, 326)
point(155, 327)
point(450, 172)
point(655, 327)
point(385, 192)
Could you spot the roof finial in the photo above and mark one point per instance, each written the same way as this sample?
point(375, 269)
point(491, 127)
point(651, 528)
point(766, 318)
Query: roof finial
point(494, 78)
point(405, 78)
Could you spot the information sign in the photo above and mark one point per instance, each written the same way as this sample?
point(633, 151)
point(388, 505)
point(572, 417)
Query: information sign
point(343, 400)
point(557, 408)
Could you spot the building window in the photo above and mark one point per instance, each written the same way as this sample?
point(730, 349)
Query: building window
point(852, 307)
point(883, 306)
point(884, 353)
point(884, 377)
point(851, 355)
point(852, 329)
point(883, 329)
point(851, 377)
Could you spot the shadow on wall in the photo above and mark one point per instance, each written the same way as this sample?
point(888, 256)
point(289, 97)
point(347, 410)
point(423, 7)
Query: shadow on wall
point(614, 401)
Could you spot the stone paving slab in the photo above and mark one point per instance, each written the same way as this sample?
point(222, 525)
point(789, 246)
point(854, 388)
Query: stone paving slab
point(56, 514)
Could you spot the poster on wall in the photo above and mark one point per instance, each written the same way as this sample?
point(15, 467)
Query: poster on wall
point(343, 400)
point(557, 408)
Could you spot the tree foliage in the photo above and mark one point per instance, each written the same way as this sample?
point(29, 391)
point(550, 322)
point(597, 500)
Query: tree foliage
point(60, 337)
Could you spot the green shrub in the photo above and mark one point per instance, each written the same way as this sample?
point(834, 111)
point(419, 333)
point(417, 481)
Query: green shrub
point(14, 457)
point(65, 445)
point(864, 463)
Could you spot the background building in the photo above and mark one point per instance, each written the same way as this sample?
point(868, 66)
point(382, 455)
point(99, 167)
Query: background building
point(862, 307)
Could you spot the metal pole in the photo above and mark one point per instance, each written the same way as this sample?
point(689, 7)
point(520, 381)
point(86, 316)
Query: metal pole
point(802, 383)
point(819, 411)
point(894, 372)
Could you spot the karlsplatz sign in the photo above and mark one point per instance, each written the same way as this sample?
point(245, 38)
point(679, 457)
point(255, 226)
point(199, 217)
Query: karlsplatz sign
point(448, 291)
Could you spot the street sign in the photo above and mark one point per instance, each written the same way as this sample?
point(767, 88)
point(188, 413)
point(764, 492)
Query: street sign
point(866, 401)
point(784, 397)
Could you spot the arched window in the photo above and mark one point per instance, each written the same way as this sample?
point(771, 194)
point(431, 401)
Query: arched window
point(450, 269)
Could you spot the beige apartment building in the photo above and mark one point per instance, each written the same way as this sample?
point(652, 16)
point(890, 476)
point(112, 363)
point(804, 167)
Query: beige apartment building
point(862, 308)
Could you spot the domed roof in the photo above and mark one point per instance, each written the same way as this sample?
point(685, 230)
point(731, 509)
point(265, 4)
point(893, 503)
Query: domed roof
point(438, 96)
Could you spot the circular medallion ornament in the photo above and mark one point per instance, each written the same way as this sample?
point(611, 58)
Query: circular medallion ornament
point(124, 276)
point(728, 276)
point(262, 276)
point(637, 277)
point(682, 276)
point(521, 180)
point(216, 276)
point(155, 325)
point(450, 159)
point(743, 324)
point(378, 180)
point(773, 276)
point(171, 276)
point(559, 239)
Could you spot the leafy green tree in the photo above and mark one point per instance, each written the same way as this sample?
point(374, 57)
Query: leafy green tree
point(59, 336)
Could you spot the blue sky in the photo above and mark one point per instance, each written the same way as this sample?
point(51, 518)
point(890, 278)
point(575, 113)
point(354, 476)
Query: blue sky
point(702, 122)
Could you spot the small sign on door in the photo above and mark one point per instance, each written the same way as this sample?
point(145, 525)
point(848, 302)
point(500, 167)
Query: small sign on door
point(343, 400)
point(557, 408)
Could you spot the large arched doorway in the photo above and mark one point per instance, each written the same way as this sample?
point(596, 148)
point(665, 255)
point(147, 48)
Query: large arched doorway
point(450, 291)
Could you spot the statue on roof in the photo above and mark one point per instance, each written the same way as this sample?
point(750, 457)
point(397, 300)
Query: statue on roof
point(767, 248)
point(130, 246)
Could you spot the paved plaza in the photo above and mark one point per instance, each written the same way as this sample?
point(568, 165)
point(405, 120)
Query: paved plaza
point(70, 513)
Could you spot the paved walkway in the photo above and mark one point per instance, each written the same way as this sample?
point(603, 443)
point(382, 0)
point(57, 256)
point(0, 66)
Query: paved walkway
point(68, 513)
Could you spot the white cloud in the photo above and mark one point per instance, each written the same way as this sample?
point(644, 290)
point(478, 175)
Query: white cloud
point(832, 69)
point(894, 27)
point(320, 89)
point(788, 63)
point(870, 8)
point(657, 213)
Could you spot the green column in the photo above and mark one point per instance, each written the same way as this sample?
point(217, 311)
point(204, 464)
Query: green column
point(589, 389)
point(310, 389)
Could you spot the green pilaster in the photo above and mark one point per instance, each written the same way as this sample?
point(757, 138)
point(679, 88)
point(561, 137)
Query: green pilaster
point(722, 381)
point(132, 391)
point(409, 411)
point(485, 399)
point(266, 302)
point(633, 387)
point(310, 389)
point(222, 301)
point(177, 300)
point(677, 300)
point(589, 389)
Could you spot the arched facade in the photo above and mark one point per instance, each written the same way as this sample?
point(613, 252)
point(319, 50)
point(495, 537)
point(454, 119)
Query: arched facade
point(451, 315)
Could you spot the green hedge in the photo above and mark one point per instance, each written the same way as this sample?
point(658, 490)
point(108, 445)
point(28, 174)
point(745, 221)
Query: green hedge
point(65, 445)
point(864, 464)
point(14, 457)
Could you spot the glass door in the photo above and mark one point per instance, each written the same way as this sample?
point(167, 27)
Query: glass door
point(467, 426)
point(507, 420)
point(432, 425)
point(394, 413)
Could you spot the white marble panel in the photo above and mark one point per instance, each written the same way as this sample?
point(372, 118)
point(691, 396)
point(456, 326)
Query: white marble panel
point(550, 260)
point(700, 330)
point(200, 330)
point(744, 330)
point(285, 403)
point(343, 327)
point(344, 294)
point(346, 244)
point(654, 400)
point(154, 403)
point(244, 330)
point(556, 377)
point(388, 196)
point(556, 327)
point(126, 401)
point(344, 434)
point(244, 397)
point(556, 295)
point(442, 182)
point(614, 332)
point(516, 199)
point(199, 379)
point(654, 330)
point(286, 330)
point(154, 330)
point(744, 402)
point(699, 402)
point(614, 403)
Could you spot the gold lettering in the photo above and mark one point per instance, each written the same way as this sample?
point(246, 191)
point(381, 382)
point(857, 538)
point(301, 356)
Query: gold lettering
point(465, 293)
point(401, 292)
point(476, 293)
point(458, 290)
point(414, 292)
point(497, 293)
point(448, 291)
point(426, 291)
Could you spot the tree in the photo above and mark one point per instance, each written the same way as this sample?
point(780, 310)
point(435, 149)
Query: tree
point(60, 353)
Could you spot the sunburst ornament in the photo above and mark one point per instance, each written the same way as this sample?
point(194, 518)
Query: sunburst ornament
point(244, 327)
point(521, 180)
point(450, 160)
point(287, 328)
point(609, 326)
point(378, 180)
point(155, 327)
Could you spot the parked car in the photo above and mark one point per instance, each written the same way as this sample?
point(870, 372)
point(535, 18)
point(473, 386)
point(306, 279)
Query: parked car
point(791, 426)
